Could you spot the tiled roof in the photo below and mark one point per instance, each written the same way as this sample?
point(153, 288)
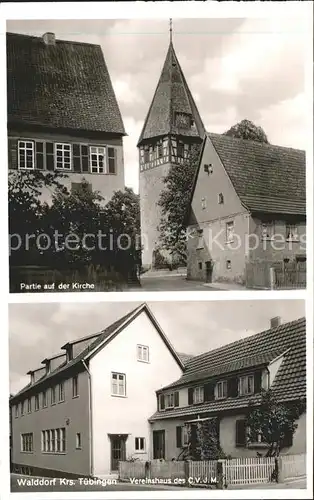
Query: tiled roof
point(65, 85)
point(267, 178)
point(290, 381)
point(171, 95)
point(185, 357)
point(103, 336)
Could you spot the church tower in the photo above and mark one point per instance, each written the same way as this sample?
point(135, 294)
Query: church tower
point(172, 126)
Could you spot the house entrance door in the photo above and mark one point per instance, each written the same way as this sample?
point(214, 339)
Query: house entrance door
point(209, 271)
point(118, 450)
point(159, 444)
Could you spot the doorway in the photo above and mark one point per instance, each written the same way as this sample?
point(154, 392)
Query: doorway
point(118, 450)
point(159, 444)
point(209, 271)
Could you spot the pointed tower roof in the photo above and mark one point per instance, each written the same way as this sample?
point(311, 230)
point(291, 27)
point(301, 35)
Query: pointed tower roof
point(172, 96)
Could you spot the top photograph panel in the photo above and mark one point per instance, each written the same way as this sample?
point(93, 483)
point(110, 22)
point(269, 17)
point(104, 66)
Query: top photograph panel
point(156, 155)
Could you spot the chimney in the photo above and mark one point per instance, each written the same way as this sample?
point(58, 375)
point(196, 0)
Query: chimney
point(32, 376)
point(274, 322)
point(49, 38)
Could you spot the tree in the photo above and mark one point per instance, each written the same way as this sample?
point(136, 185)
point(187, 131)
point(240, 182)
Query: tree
point(247, 130)
point(174, 201)
point(204, 440)
point(273, 421)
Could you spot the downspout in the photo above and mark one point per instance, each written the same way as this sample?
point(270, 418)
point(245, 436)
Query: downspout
point(90, 430)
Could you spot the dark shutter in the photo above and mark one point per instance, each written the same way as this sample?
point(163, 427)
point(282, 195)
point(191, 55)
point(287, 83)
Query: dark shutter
point(76, 157)
point(240, 432)
point(49, 156)
point(179, 436)
point(84, 157)
point(39, 151)
point(288, 440)
point(111, 160)
point(162, 401)
point(190, 395)
point(232, 387)
point(176, 398)
point(257, 382)
point(12, 153)
point(209, 392)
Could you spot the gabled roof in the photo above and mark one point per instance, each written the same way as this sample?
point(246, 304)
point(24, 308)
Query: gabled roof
point(104, 337)
point(267, 178)
point(172, 95)
point(288, 339)
point(185, 357)
point(65, 85)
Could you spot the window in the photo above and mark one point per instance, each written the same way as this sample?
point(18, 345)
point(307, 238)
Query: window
point(198, 395)
point(182, 436)
point(36, 402)
point(185, 435)
point(246, 385)
point(98, 159)
point(26, 157)
point(111, 160)
point(267, 230)
point(159, 150)
point(171, 399)
point(61, 392)
point(203, 203)
point(140, 444)
point(180, 149)
point(186, 150)
point(118, 384)
point(200, 265)
point(220, 199)
point(228, 264)
point(221, 390)
point(75, 387)
point(29, 405)
point(142, 353)
point(78, 441)
point(27, 442)
point(53, 440)
point(45, 399)
point(200, 242)
point(292, 232)
point(146, 156)
point(229, 232)
point(63, 156)
point(16, 411)
point(53, 395)
point(22, 408)
point(241, 433)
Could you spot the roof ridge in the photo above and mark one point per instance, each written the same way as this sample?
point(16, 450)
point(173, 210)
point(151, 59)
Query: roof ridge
point(261, 144)
point(58, 40)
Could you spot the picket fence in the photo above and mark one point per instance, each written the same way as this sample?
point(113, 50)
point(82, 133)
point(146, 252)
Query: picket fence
point(238, 471)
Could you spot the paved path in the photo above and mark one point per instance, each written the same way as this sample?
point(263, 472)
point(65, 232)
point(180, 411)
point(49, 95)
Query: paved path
point(171, 283)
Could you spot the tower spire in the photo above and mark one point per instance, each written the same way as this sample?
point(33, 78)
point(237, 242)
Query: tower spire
point(170, 29)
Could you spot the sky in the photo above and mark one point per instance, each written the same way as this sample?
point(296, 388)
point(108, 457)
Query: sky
point(236, 69)
point(38, 330)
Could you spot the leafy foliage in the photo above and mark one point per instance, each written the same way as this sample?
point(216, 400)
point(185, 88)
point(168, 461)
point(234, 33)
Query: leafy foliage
point(174, 201)
point(204, 440)
point(274, 421)
point(247, 130)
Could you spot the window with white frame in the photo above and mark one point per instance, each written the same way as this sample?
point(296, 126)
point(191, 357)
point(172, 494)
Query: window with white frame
point(246, 385)
point(78, 445)
point(44, 396)
point(140, 444)
point(53, 395)
point(29, 405)
point(200, 240)
point(185, 435)
point(16, 411)
point(198, 395)
point(267, 230)
point(229, 232)
point(36, 402)
point(22, 408)
point(98, 159)
point(221, 389)
point(203, 203)
point(53, 440)
point(118, 384)
point(63, 156)
point(169, 400)
point(75, 387)
point(292, 233)
point(27, 442)
point(26, 155)
point(143, 353)
point(61, 392)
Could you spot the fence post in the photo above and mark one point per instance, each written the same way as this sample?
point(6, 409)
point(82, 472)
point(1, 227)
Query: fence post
point(280, 475)
point(220, 478)
point(187, 473)
point(147, 469)
point(272, 278)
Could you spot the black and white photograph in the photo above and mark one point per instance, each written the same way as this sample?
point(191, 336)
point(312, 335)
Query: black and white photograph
point(157, 154)
point(91, 409)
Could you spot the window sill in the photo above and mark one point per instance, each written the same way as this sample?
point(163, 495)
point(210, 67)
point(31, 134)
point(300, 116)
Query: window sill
point(143, 452)
point(53, 452)
point(63, 401)
point(79, 449)
point(118, 396)
point(53, 404)
point(75, 397)
point(143, 361)
point(293, 240)
point(27, 452)
point(257, 445)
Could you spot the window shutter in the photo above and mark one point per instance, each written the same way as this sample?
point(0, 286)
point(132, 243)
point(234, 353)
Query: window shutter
point(179, 436)
point(190, 395)
point(287, 440)
point(49, 156)
point(76, 157)
point(209, 392)
point(232, 387)
point(39, 152)
point(84, 156)
point(112, 160)
point(12, 153)
point(176, 398)
point(162, 401)
point(257, 382)
point(240, 432)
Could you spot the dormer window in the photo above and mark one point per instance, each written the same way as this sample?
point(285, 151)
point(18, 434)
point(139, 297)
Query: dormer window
point(292, 232)
point(169, 400)
point(221, 390)
point(246, 385)
point(198, 395)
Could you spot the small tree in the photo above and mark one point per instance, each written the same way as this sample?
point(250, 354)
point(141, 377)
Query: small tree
point(204, 440)
point(174, 201)
point(247, 130)
point(273, 421)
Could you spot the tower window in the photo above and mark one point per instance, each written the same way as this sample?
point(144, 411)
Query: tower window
point(180, 149)
point(146, 156)
point(159, 150)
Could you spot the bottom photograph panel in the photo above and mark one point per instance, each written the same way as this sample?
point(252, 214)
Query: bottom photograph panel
point(158, 395)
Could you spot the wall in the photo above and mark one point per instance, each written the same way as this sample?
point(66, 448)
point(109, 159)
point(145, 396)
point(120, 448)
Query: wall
point(169, 426)
point(128, 415)
point(52, 417)
point(105, 184)
point(209, 215)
